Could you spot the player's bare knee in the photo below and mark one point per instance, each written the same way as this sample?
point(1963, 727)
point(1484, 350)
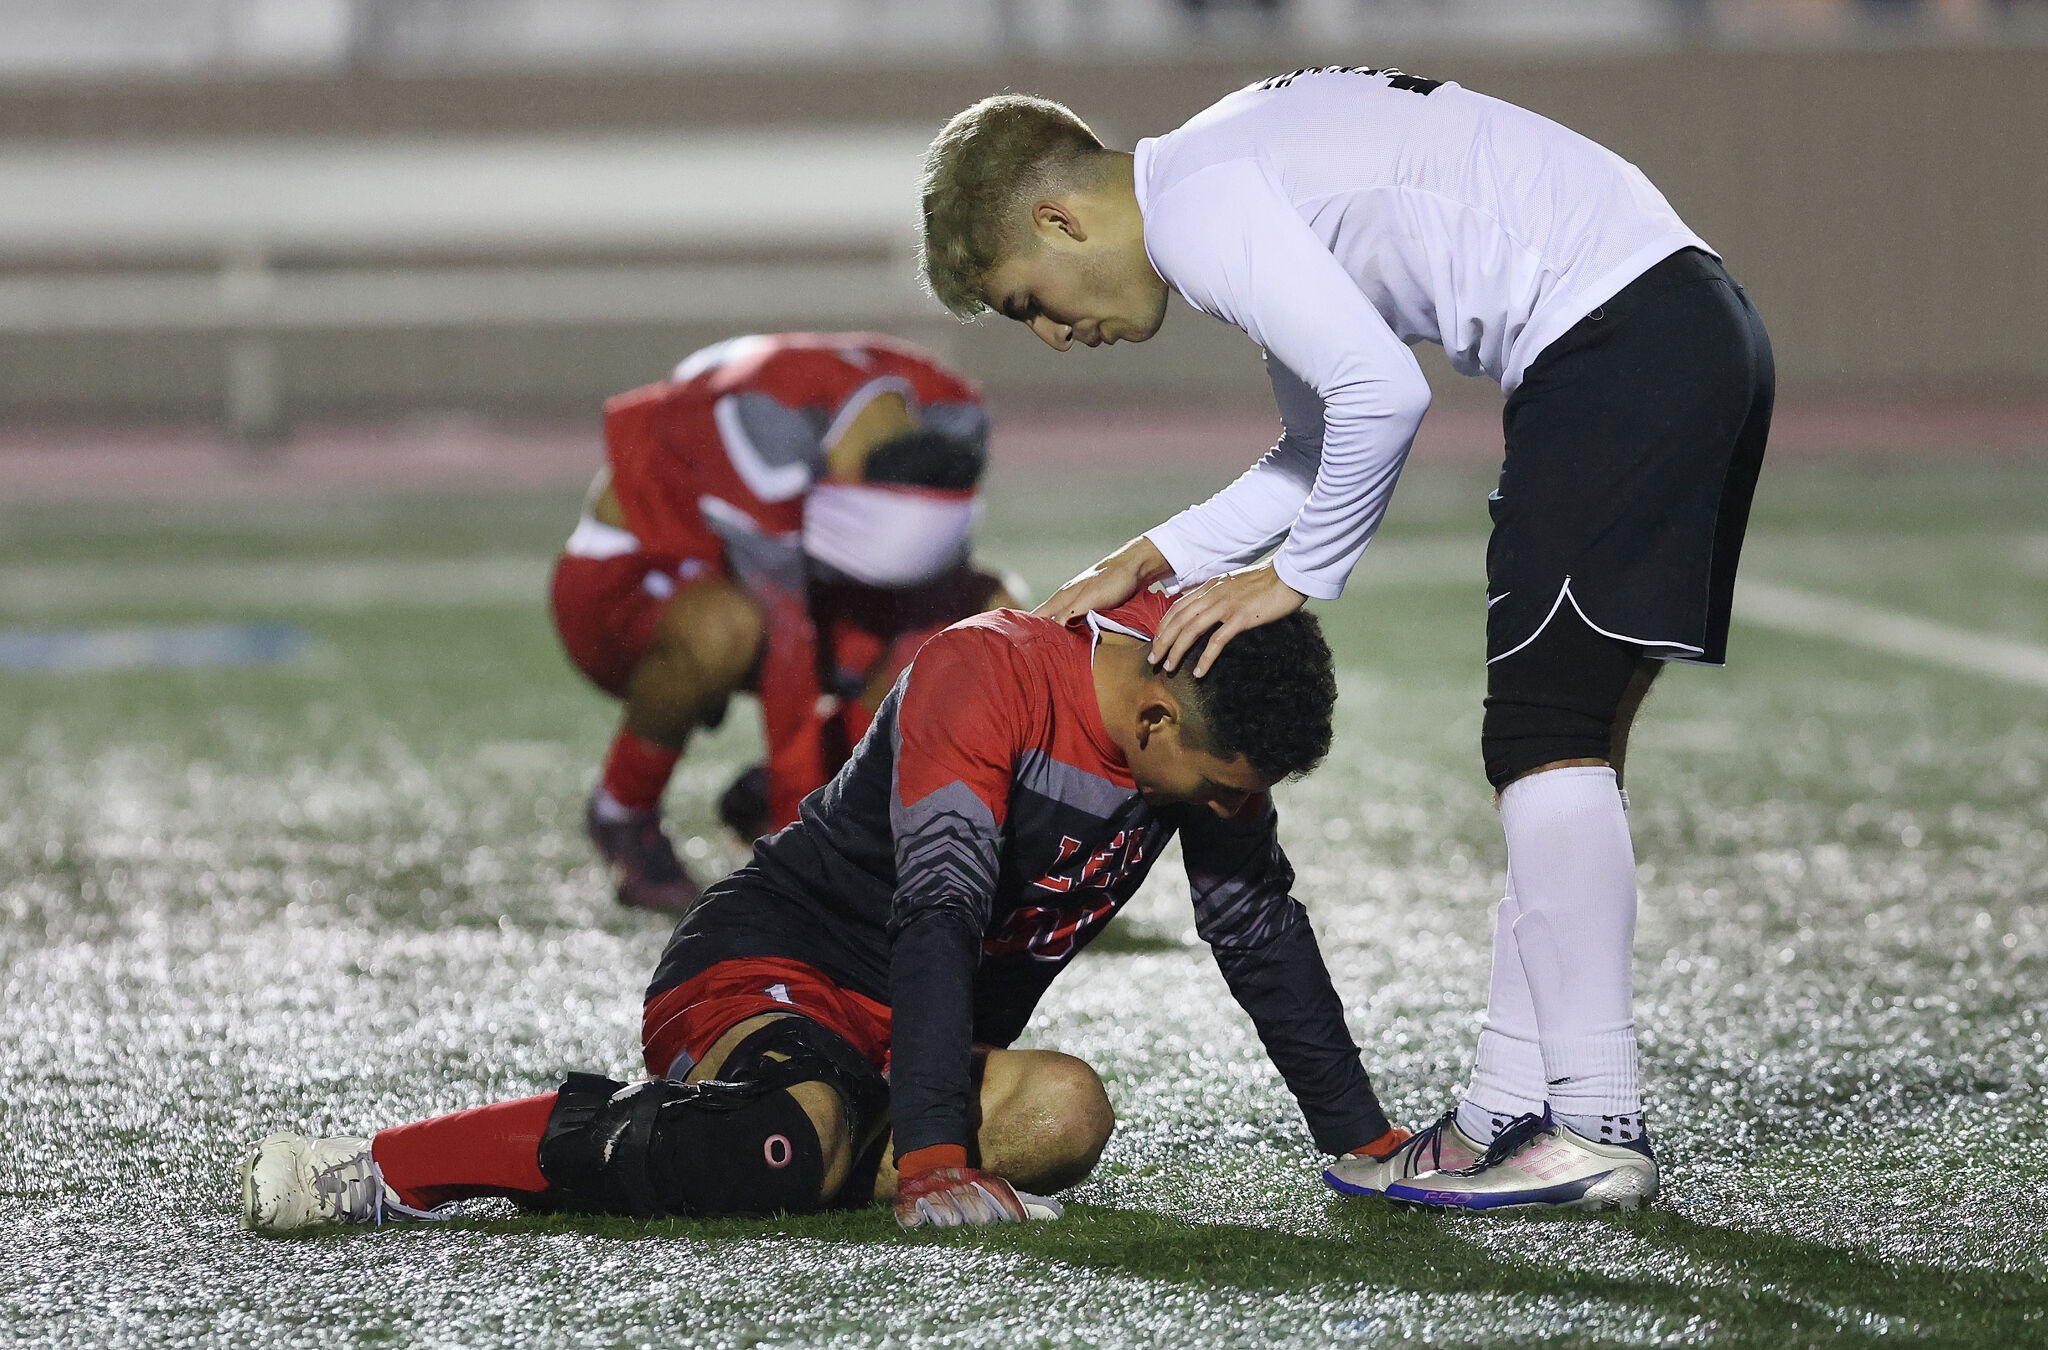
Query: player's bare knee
point(731, 628)
point(1063, 1110)
point(1085, 1112)
point(704, 645)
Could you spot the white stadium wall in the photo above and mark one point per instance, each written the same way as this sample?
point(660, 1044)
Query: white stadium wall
point(350, 245)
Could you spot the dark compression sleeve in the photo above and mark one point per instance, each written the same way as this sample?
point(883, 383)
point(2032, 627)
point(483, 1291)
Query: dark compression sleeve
point(1245, 911)
point(932, 961)
point(955, 741)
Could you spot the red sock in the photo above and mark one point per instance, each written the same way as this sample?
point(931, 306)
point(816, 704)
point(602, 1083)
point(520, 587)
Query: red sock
point(492, 1150)
point(636, 771)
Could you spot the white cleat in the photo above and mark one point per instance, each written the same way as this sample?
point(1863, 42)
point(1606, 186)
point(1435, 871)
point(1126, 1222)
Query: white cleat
point(291, 1182)
point(1437, 1147)
point(1040, 1207)
point(1538, 1164)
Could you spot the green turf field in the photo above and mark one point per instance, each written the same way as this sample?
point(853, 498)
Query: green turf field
point(352, 890)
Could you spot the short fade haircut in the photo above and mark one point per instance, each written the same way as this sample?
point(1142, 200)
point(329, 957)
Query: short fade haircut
point(976, 171)
point(1269, 696)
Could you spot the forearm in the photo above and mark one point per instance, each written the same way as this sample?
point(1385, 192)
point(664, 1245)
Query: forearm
point(1286, 989)
point(1240, 522)
point(1354, 481)
point(1244, 909)
point(932, 962)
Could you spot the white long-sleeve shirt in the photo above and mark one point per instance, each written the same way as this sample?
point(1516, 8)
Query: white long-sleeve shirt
point(1338, 216)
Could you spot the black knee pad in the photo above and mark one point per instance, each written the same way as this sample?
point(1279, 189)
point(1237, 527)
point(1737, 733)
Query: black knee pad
point(1554, 699)
point(740, 1144)
point(793, 1050)
point(667, 1148)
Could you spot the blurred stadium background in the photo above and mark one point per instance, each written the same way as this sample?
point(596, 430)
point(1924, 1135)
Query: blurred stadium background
point(266, 214)
point(350, 278)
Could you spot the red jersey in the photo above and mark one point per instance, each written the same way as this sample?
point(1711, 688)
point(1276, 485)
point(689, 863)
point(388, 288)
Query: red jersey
point(747, 424)
point(985, 830)
point(715, 463)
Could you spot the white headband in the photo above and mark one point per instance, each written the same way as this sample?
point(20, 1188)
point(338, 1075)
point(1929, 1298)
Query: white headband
point(887, 535)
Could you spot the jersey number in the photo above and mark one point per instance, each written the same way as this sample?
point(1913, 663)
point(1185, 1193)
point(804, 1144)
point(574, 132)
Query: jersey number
point(1395, 78)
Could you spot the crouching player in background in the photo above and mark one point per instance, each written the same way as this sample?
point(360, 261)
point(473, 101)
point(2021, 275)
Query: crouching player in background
point(869, 968)
point(789, 515)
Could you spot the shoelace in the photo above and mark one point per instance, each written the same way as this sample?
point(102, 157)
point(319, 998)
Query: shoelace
point(357, 1191)
point(354, 1188)
point(1519, 1131)
point(1431, 1137)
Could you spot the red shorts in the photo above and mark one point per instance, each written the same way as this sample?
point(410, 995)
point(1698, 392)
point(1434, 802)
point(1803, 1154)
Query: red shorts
point(680, 1025)
point(606, 608)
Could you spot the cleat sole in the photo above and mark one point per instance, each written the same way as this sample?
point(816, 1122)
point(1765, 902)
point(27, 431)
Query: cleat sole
point(1343, 1187)
point(1624, 1188)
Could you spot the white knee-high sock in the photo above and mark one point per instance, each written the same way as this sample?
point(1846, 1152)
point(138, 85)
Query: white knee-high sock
point(1508, 1078)
point(1575, 882)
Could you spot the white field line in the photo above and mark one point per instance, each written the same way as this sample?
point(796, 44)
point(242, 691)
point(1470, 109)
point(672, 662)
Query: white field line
point(61, 592)
point(69, 591)
point(1791, 610)
point(64, 592)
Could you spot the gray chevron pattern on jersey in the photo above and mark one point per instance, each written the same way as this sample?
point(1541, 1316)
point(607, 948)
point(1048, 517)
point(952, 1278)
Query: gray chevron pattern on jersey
point(946, 853)
point(762, 561)
point(782, 435)
point(1241, 883)
point(1039, 772)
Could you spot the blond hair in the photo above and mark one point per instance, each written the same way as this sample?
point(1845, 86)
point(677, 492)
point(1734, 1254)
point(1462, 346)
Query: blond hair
point(976, 171)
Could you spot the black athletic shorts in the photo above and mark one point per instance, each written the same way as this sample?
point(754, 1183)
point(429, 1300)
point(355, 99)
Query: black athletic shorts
point(1633, 444)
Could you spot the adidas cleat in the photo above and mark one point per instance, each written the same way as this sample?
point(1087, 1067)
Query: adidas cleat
point(292, 1182)
point(643, 863)
point(1536, 1164)
point(1441, 1146)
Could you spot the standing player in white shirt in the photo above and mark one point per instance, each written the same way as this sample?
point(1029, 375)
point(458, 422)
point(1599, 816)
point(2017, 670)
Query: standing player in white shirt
point(1337, 215)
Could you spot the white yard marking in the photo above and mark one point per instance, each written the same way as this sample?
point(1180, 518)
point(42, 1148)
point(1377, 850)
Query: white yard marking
point(63, 591)
point(1791, 610)
point(155, 647)
point(71, 591)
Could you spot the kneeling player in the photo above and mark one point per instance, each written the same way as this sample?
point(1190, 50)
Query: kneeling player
point(871, 965)
point(788, 515)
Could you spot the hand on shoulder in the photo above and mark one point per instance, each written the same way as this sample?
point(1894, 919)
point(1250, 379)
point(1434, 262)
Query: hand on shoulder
point(1108, 583)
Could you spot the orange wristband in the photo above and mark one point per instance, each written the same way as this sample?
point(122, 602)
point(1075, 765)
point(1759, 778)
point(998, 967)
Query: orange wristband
point(921, 1160)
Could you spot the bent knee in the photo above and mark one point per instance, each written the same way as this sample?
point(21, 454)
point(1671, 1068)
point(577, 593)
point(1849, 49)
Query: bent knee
point(827, 1114)
point(1083, 1105)
point(715, 626)
point(1062, 1102)
point(1558, 700)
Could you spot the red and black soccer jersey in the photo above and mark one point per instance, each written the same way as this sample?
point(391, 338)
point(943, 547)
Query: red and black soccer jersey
point(983, 833)
point(738, 436)
point(714, 466)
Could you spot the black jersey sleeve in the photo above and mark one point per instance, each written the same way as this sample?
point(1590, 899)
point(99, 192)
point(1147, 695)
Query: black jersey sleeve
point(1245, 910)
point(957, 730)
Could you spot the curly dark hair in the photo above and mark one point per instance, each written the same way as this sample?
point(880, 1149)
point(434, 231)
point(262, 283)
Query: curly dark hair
point(1268, 697)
